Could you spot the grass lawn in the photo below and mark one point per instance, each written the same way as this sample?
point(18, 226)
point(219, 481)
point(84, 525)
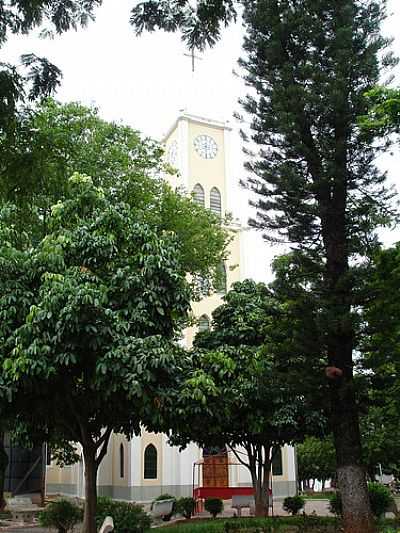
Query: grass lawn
point(253, 525)
point(297, 524)
point(318, 496)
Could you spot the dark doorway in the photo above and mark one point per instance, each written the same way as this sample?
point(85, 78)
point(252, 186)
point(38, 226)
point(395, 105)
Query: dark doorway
point(25, 471)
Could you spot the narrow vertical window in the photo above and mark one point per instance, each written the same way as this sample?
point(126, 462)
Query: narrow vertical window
point(220, 279)
point(150, 462)
point(204, 323)
point(215, 201)
point(48, 455)
point(198, 195)
point(121, 461)
point(277, 466)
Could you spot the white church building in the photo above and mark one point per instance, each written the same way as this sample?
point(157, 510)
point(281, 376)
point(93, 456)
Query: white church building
point(145, 467)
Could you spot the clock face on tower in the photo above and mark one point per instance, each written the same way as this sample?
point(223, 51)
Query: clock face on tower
point(172, 155)
point(205, 146)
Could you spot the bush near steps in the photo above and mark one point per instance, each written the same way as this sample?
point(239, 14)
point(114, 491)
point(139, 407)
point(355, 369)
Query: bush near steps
point(127, 517)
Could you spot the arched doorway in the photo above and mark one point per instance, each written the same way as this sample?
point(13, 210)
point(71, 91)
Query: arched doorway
point(215, 467)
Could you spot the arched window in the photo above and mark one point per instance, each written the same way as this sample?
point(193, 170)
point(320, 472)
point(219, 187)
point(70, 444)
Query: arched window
point(277, 466)
point(150, 462)
point(220, 280)
point(121, 461)
point(204, 323)
point(215, 201)
point(198, 194)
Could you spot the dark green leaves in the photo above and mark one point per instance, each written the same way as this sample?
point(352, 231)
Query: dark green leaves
point(200, 25)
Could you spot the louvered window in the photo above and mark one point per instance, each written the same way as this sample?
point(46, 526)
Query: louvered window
point(220, 280)
point(215, 201)
point(198, 195)
point(203, 285)
point(204, 323)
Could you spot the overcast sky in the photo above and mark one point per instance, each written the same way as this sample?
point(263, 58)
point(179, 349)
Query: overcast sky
point(145, 81)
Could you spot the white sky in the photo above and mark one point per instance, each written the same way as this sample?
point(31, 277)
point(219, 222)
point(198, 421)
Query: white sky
point(145, 81)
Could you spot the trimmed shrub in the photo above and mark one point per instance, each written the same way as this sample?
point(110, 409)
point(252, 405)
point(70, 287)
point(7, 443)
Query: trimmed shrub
point(62, 515)
point(214, 506)
point(167, 517)
point(127, 517)
point(293, 504)
point(380, 499)
point(185, 506)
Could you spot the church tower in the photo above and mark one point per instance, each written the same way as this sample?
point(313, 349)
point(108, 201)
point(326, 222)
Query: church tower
point(199, 149)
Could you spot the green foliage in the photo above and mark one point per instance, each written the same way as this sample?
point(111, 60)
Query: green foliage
point(301, 524)
point(381, 349)
point(127, 517)
point(316, 459)
point(166, 496)
point(90, 317)
point(185, 506)
point(200, 25)
point(62, 515)
point(73, 135)
point(335, 504)
point(237, 392)
point(293, 504)
point(379, 496)
point(383, 114)
point(214, 506)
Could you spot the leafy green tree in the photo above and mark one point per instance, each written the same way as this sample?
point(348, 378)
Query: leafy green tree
point(383, 111)
point(316, 460)
point(381, 349)
point(236, 392)
point(53, 141)
point(380, 430)
point(57, 139)
point(310, 64)
point(98, 304)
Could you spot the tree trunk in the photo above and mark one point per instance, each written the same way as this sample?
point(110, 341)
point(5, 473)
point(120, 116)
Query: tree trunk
point(3, 467)
point(89, 517)
point(260, 469)
point(357, 517)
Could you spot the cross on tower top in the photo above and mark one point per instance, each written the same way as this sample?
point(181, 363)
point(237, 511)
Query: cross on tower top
point(193, 58)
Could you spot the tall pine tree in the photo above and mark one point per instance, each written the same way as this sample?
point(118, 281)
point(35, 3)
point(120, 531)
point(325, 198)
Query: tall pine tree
point(309, 63)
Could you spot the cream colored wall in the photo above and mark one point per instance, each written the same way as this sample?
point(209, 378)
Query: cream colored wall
point(67, 474)
point(233, 274)
point(117, 480)
point(175, 180)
